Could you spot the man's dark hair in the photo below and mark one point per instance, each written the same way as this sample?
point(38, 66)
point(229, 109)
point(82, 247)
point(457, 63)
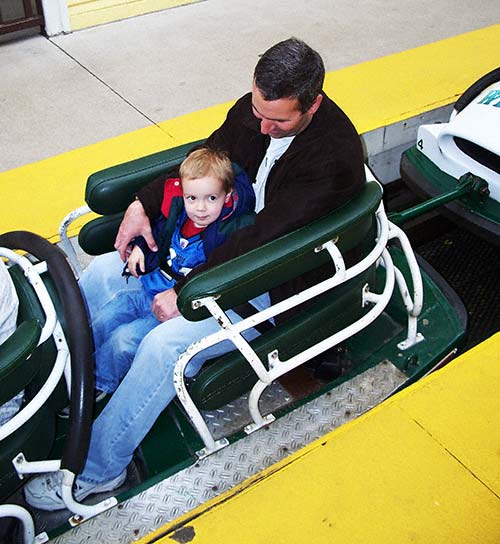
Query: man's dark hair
point(290, 69)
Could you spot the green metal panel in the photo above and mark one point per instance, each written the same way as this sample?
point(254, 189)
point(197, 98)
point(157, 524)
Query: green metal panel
point(486, 208)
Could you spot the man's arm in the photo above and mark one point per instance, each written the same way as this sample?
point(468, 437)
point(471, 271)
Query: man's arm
point(302, 197)
point(135, 223)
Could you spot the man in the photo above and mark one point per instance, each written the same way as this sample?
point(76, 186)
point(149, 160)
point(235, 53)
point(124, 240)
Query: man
point(9, 304)
point(306, 159)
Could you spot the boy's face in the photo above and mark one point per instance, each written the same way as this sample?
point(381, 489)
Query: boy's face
point(204, 199)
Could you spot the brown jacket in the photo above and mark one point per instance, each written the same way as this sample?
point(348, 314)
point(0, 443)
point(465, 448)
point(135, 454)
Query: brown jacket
point(320, 171)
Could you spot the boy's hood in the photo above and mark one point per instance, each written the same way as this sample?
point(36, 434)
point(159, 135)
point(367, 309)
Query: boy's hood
point(242, 198)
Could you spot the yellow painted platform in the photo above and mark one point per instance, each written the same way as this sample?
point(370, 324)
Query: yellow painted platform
point(422, 467)
point(86, 13)
point(387, 90)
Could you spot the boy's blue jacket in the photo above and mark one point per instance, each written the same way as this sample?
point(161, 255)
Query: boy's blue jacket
point(237, 213)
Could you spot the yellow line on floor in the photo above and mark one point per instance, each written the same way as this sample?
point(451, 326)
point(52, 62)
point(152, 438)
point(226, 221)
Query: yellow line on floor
point(423, 466)
point(386, 90)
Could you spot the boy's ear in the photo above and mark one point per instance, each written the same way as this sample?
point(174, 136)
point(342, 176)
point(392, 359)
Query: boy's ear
point(228, 196)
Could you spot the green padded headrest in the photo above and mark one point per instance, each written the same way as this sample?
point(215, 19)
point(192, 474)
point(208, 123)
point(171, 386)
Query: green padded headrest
point(111, 190)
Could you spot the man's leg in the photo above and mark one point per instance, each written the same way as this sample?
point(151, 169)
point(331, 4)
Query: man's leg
point(124, 307)
point(143, 394)
point(120, 316)
point(102, 280)
point(114, 357)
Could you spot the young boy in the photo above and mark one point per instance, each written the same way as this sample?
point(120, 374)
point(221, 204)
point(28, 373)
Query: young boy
point(188, 230)
point(199, 211)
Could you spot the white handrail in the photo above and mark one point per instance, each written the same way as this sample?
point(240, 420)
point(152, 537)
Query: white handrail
point(233, 332)
point(61, 366)
point(32, 273)
point(66, 242)
point(20, 513)
point(53, 328)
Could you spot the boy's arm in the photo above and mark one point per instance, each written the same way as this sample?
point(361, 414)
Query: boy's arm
point(136, 259)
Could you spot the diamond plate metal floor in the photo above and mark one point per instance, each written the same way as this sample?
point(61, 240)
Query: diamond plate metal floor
point(215, 474)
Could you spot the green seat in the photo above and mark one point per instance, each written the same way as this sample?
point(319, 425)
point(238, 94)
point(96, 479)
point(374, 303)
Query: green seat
point(258, 271)
point(21, 366)
point(26, 364)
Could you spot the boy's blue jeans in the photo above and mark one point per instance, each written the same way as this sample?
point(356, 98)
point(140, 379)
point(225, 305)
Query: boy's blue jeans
point(140, 352)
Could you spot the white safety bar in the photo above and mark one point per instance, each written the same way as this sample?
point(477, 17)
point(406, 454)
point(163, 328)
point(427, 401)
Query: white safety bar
point(413, 306)
point(16, 511)
point(66, 244)
point(233, 331)
point(81, 511)
point(52, 327)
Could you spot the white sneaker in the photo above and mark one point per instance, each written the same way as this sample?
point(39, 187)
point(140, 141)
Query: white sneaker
point(44, 492)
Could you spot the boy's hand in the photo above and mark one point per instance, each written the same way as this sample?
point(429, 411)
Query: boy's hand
point(164, 305)
point(135, 259)
point(135, 223)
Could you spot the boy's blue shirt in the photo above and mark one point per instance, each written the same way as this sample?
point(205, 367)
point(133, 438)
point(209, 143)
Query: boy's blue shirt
point(238, 213)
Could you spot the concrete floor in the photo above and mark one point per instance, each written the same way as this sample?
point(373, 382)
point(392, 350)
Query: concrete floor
point(73, 90)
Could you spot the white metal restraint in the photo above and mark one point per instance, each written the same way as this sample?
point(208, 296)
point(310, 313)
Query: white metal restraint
point(233, 331)
point(66, 244)
point(62, 365)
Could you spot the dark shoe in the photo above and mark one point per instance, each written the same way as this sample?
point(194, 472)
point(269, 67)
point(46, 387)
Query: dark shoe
point(329, 365)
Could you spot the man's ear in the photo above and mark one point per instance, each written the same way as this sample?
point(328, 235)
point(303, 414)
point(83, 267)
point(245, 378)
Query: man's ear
point(316, 104)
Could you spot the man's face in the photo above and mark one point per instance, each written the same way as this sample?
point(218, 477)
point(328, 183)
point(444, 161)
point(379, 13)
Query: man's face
point(282, 117)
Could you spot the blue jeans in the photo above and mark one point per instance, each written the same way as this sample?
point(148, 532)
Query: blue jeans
point(143, 352)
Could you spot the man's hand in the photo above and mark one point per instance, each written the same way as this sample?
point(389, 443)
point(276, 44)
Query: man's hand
point(135, 223)
point(164, 305)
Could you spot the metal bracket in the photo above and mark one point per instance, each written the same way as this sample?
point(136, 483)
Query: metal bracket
point(266, 420)
point(219, 445)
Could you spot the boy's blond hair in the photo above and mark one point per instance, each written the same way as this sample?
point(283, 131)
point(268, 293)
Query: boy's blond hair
point(208, 162)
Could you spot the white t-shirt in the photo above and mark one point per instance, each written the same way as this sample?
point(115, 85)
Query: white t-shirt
point(8, 315)
point(276, 148)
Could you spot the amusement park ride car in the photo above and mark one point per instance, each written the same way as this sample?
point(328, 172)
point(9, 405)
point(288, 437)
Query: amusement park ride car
point(397, 317)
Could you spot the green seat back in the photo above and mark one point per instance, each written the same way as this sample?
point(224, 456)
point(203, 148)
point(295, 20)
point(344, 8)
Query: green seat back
point(110, 191)
point(25, 366)
point(290, 256)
